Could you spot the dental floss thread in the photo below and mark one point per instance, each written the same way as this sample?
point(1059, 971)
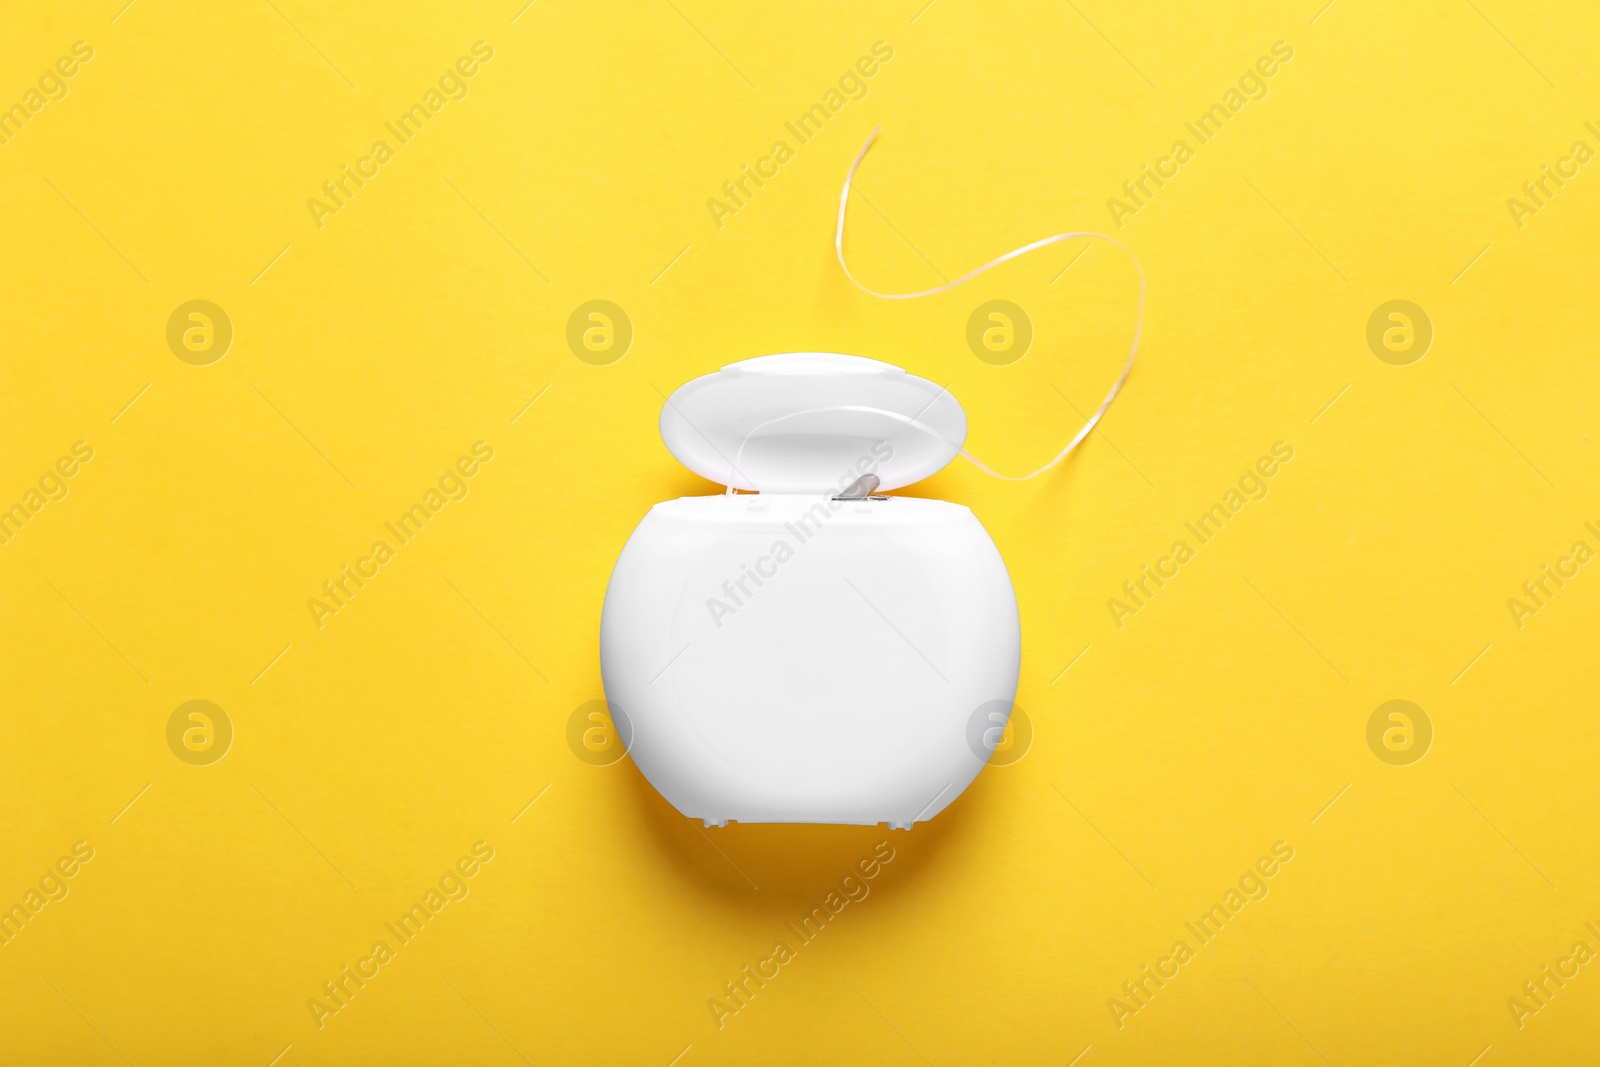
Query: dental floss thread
point(1138, 329)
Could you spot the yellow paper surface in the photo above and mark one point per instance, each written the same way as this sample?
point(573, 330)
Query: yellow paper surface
point(382, 326)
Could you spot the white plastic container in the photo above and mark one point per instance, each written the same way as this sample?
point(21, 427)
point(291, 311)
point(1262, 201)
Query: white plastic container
point(810, 653)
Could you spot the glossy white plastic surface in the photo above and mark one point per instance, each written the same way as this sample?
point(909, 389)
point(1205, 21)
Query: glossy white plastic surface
point(789, 656)
point(840, 689)
point(791, 423)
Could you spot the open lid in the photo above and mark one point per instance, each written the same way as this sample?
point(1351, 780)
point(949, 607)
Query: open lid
point(812, 422)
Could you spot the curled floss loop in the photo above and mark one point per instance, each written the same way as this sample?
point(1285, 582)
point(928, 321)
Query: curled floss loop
point(1138, 329)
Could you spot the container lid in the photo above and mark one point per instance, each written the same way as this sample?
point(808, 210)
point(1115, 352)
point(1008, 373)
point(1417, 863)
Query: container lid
point(812, 422)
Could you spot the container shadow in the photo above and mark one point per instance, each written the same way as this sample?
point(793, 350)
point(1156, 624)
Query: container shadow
point(782, 870)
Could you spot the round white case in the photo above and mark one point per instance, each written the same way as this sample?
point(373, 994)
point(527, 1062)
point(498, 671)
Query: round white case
point(812, 652)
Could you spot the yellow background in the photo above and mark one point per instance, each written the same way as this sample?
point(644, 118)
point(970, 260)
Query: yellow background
point(430, 310)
